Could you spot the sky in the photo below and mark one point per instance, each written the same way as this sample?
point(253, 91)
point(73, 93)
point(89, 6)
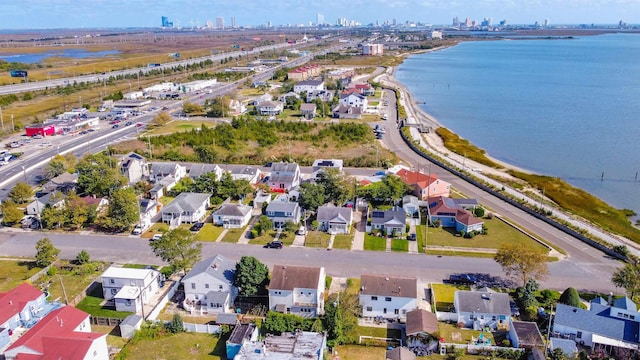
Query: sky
point(46, 14)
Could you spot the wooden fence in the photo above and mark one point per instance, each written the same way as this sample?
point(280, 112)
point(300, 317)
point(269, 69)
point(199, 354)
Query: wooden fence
point(96, 320)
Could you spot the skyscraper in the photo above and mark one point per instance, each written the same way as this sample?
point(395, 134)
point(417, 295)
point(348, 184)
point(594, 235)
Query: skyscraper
point(319, 19)
point(220, 22)
point(233, 22)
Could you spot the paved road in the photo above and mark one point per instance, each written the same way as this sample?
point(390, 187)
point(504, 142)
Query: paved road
point(340, 263)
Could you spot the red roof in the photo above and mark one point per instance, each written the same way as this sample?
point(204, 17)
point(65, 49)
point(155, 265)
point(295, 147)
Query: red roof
point(363, 86)
point(54, 336)
point(438, 205)
point(14, 301)
point(416, 177)
point(90, 200)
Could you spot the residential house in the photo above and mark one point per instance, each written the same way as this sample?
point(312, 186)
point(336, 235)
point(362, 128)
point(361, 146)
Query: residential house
point(603, 324)
point(283, 97)
point(342, 111)
point(308, 86)
point(525, 334)
point(308, 111)
point(236, 107)
point(232, 216)
point(208, 287)
point(353, 98)
point(400, 353)
point(260, 199)
point(320, 164)
point(249, 173)
point(134, 167)
point(424, 185)
point(297, 290)
point(335, 220)
point(22, 306)
point(261, 98)
point(130, 288)
point(323, 95)
point(284, 176)
point(364, 89)
point(411, 206)
point(287, 346)
point(64, 182)
point(388, 297)
point(343, 73)
point(99, 203)
point(53, 199)
point(304, 72)
point(197, 170)
point(421, 323)
point(481, 309)
point(390, 222)
point(450, 213)
point(187, 207)
point(167, 174)
point(5, 338)
point(269, 108)
point(241, 334)
point(149, 208)
point(280, 212)
point(63, 334)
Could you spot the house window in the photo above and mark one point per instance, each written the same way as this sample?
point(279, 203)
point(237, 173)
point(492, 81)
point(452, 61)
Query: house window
point(384, 311)
point(404, 311)
point(579, 335)
point(206, 286)
point(387, 299)
point(112, 281)
point(369, 308)
point(193, 286)
point(114, 291)
point(481, 317)
point(132, 283)
point(471, 317)
point(128, 302)
point(396, 311)
point(301, 292)
point(374, 298)
point(220, 287)
point(493, 318)
point(632, 317)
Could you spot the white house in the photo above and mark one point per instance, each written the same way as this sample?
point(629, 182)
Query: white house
point(232, 216)
point(161, 170)
point(353, 98)
point(480, 309)
point(186, 208)
point(269, 107)
point(130, 288)
point(20, 306)
point(53, 199)
point(208, 287)
point(236, 107)
point(297, 290)
point(388, 297)
point(284, 176)
point(197, 170)
point(334, 220)
point(134, 167)
point(63, 334)
point(280, 212)
point(308, 86)
point(249, 173)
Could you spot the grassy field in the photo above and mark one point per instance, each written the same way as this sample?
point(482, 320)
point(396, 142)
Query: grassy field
point(317, 239)
point(92, 304)
point(582, 204)
point(209, 232)
point(264, 239)
point(401, 245)
point(15, 272)
point(444, 293)
point(487, 255)
point(74, 281)
point(233, 235)
point(499, 233)
point(343, 241)
point(179, 346)
point(463, 147)
point(421, 238)
point(180, 125)
point(374, 243)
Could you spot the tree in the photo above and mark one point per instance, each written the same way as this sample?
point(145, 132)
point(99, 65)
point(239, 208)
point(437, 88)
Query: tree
point(191, 108)
point(52, 217)
point(558, 354)
point(161, 119)
point(98, 175)
point(311, 196)
point(10, 212)
point(46, 253)
point(83, 257)
point(628, 277)
point(570, 297)
point(21, 193)
point(76, 211)
point(178, 248)
point(123, 211)
point(338, 188)
point(59, 164)
point(263, 225)
point(522, 262)
point(251, 276)
point(176, 325)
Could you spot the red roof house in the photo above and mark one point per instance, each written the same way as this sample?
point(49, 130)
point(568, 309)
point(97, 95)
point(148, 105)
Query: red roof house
point(424, 185)
point(19, 305)
point(451, 213)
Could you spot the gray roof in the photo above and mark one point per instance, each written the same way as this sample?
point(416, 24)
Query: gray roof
point(248, 170)
point(241, 333)
point(225, 318)
point(307, 107)
point(282, 206)
point(282, 178)
point(130, 157)
point(410, 199)
point(51, 198)
point(163, 168)
point(186, 201)
point(217, 297)
point(311, 82)
point(400, 353)
point(197, 170)
point(233, 210)
point(389, 286)
point(147, 204)
point(396, 216)
point(596, 321)
point(421, 321)
point(482, 302)
point(132, 320)
point(284, 167)
point(64, 179)
point(528, 333)
point(334, 163)
point(218, 266)
point(332, 213)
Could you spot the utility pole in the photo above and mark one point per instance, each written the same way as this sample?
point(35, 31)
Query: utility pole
point(13, 127)
point(64, 292)
point(2, 120)
point(426, 228)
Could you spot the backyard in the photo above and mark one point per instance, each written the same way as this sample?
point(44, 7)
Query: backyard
point(93, 304)
point(451, 333)
point(178, 346)
point(14, 272)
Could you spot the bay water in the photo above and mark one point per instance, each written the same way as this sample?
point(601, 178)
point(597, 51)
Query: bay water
point(564, 107)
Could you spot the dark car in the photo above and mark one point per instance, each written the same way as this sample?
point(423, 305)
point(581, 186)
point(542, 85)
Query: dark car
point(115, 126)
point(412, 236)
point(128, 123)
point(274, 245)
point(268, 164)
point(462, 279)
point(197, 226)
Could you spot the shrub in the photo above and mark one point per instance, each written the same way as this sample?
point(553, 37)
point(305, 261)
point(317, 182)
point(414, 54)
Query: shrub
point(478, 212)
point(83, 257)
point(570, 297)
point(489, 215)
point(176, 325)
point(506, 343)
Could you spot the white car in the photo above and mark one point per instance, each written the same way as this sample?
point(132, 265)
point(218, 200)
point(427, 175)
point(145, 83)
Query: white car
point(156, 237)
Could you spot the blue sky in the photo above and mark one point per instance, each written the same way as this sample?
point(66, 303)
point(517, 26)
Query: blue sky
point(36, 14)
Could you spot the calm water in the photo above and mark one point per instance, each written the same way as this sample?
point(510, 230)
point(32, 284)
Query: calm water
point(68, 53)
point(566, 108)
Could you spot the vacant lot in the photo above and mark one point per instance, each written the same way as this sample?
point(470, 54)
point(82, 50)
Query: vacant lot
point(15, 272)
point(179, 346)
point(317, 239)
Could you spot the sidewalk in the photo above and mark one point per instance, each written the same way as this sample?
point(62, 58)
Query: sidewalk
point(246, 236)
point(222, 234)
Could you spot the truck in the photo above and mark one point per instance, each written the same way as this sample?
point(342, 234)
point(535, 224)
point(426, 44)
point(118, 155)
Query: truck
point(462, 279)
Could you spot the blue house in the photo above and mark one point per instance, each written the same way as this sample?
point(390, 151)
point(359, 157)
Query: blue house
point(23, 306)
point(280, 212)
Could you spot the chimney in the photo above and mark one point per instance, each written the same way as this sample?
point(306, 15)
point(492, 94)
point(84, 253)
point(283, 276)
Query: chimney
point(610, 300)
point(215, 266)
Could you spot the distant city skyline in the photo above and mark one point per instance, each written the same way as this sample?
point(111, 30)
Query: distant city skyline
point(44, 14)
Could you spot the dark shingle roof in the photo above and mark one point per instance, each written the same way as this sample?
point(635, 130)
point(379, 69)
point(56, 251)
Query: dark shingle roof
point(291, 277)
point(421, 321)
point(389, 286)
point(528, 333)
point(233, 210)
point(186, 202)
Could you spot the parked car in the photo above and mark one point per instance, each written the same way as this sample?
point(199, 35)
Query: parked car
point(156, 237)
point(412, 237)
point(138, 124)
point(462, 279)
point(197, 226)
point(515, 311)
point(128, 123)
point(302, 231)
point(276, 244)
point(115, 126)
point(37, 136)
point(137, 230)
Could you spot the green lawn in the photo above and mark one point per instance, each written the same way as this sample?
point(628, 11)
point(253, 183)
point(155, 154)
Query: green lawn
point(444, 293)
point(499, 233)
point(461, 253)
point(233, 235)
point(92, 305)
point(421, 240)
point(113, 335)
point(353, 285)
point(343, 241)
point(358, 331)
point(287, 238)
point(209, 232)
point(74, 281)
point(179, 346)
point(374, 243)
point(157, 228)
point(180, 126)
point(401, 245)
point(317, 239)
point(264, 238)
point(15, 272)
point(450, 333)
